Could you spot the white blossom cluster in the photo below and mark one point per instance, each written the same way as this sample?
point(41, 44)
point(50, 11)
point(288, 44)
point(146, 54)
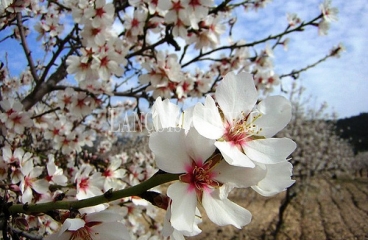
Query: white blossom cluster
point(105, 51)
point(94, 51)
point(247, 154)
point(320, 149)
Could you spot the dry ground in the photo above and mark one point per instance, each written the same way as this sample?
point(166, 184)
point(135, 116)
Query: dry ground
point(320, 208)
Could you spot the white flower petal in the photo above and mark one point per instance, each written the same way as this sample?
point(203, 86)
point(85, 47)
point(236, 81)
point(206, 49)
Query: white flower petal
point(115, 163)
point(278, 178)
point(60, 179)
point(270, 150)
point(164, 114)
point(41, 186)
point(236, 94)
point(36, 171)
point(120, 173)
point(233, 155)
point(241, 177)
point(207, 119)
point(111, 231)
point(168, 146)
point(104, 216)
point(176, 235)
point(276, 114)
point(72, 224)
point(167, 229)
point(27, 195)
point(19, 153)
point(183, 206)
point(7, 153)
point(27, 167)
point(198, 147)
point(186, 118)
point(223, 211)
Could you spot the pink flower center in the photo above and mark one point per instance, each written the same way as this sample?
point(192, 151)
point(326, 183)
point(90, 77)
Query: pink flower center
point(194, 3)
point(201, 176)
point(10, 112)
point(107, 173)
point(241, 131)
point(16, 119)
point(28, 182)
point(236, 135)
point(177, 6)
point(84, 183)
point(100, 12)
point(135, 22)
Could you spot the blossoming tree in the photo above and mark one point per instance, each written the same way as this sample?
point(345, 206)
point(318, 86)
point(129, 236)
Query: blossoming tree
point(320, 149)
point(89, 61)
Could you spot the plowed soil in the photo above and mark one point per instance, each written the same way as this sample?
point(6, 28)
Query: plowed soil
point(320, 208)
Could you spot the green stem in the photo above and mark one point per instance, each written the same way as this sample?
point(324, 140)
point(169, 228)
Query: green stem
point(155, 180)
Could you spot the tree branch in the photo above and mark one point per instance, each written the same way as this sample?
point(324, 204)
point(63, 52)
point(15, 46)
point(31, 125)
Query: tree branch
point(234, 46)
point(295, 73)
point(41, 90)
point(25, 47)
point(155, 180)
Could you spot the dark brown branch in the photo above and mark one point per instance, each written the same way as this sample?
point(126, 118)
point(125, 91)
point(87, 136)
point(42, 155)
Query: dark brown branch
point(56, 54)
point(140, 51)
point(25, 47)
point(41, 90)
point(219, 8)
point(44, 113)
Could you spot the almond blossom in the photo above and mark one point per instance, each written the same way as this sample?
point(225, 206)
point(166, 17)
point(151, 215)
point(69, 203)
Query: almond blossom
point(94, 226)
point(31, 182)
point(14, 117)
point(329, 13)
point(243, 133)
point(81, 65)
point(204, 179)
point(163, 71)
point(134, 25)
point(113, 175)
point(101, 13)
point(17, 156)
point(89, 183)
point(209, 34)
point(107, 63)
point(197, 10)
point(293, 19)
point(177, 14)
point(54, 173)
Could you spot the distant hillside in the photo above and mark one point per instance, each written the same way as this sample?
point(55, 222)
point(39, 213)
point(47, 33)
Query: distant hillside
point(355, 130)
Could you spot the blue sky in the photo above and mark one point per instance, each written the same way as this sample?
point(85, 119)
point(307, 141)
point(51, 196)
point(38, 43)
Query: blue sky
point(342, 83)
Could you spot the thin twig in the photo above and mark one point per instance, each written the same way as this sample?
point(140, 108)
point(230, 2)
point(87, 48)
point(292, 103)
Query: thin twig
point(44, 113)
point(233, 46)
point(295, 73)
